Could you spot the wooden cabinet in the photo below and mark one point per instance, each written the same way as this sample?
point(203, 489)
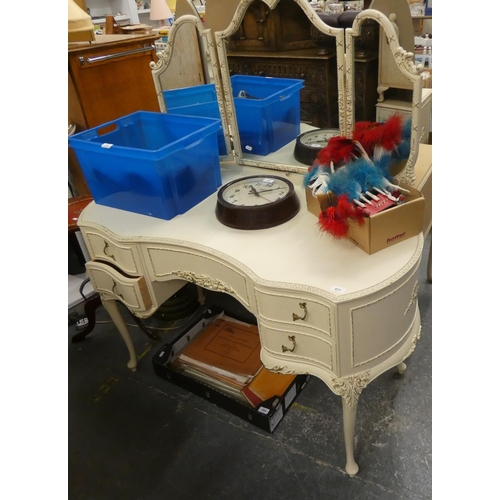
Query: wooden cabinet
point(110, 78)
point(284, 28)
point(107, 79)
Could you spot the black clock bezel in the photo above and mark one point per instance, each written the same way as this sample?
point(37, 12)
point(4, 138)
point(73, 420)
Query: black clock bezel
point(306, 154)
point(259, 216)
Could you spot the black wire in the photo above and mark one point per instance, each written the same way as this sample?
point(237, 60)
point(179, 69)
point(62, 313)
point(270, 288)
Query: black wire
point(82, 286)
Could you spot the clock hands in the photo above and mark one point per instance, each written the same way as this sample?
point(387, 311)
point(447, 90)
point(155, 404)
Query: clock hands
point(257, 193)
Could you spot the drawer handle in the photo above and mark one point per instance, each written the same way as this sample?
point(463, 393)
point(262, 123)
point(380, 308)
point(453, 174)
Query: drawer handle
point(107, 57)
point(291, 338)
point(110, 255)
point(115, 292)
point(302, 305)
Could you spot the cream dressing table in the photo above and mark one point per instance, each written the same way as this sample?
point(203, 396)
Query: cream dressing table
point(323, 306)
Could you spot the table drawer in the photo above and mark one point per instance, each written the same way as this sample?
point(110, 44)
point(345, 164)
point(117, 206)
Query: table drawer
point(299, 347)
point(293, 310)
point(103, 248)
point(206, 271)
point(132, 291)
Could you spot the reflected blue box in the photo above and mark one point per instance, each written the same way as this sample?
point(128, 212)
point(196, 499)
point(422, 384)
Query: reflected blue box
point(150, 163)
point(199, 100)
point(269, 116)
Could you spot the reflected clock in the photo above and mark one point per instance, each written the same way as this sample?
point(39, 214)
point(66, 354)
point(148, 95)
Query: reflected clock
point(309, 144)
point(257, 202)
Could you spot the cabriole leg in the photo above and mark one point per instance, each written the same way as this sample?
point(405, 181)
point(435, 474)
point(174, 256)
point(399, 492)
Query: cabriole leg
point(112, 308)
point(349, 414)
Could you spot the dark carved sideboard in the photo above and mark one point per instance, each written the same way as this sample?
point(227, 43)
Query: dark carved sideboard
point(318, 98)
point(284, 44)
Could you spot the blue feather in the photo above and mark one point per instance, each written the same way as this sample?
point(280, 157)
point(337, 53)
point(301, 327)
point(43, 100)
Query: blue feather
point(406, 131)
point(310, 176)
point(342, 183)
point(383, 165)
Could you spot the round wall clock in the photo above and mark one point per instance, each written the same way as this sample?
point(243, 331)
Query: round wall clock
point(309, 144)
point(256, 202)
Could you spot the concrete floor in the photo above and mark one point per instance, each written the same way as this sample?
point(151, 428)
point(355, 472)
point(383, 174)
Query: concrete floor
point(136, 436)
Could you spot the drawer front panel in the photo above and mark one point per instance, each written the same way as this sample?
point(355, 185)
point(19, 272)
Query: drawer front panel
point(378, 328)
point(133, 292)
point(205, 271)
point(103, 248)
point(308, 313)
point(298, 347)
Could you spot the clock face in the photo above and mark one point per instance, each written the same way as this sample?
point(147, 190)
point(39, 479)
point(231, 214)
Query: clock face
point(256, 202)
point(309, 144)
point(318, 139)
point(255, 191)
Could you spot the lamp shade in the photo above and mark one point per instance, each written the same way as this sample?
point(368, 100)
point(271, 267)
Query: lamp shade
point(160, 10)
point(80, 25)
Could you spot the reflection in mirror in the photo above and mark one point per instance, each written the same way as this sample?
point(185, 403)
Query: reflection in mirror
point(186, 78)
point(410, 88)
point(273, 38)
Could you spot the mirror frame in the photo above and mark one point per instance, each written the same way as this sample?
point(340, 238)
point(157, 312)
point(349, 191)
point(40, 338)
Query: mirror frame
point(221, 36)
point(209, 61)
point(405, 62)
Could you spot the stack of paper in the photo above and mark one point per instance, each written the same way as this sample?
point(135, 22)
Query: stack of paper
point(226, 355)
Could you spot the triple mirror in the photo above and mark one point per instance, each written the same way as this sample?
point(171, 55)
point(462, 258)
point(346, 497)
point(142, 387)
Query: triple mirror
point(341, 61)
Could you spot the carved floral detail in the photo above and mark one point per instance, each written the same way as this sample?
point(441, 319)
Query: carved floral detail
point(416, 338)
point(204, 281)
point(350, 387)
point(284, 370)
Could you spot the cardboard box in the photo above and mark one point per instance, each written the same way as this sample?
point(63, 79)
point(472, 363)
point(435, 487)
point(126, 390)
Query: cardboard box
point(386, 228)
point(265, 416)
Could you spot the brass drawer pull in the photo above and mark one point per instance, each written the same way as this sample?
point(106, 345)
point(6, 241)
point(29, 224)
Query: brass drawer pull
point(291, 338)
point(115, 292)
point(110, 255)
point(302, 305)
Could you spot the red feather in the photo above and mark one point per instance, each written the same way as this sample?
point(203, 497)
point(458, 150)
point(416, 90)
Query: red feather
point(338, 150)
point(392, 131)
point(368, 135)
point(335, 220)
point(329, 223)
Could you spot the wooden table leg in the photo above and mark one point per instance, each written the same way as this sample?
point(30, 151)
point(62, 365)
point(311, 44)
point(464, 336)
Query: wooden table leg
point(112, 307)
point(349, 415)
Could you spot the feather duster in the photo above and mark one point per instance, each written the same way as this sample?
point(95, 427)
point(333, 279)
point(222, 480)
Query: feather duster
point(384, 166)
point(341, 183)
point(368, 134)
point(391, 132)
point(385, 135)
point(327, 221)
point(339, 150)
point(335, 220)
point(317, 180)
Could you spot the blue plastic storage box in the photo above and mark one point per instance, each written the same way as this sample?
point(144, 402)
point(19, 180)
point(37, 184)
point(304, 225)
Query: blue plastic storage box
point(150, 163)
point(269, 117)
point(200, 100)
